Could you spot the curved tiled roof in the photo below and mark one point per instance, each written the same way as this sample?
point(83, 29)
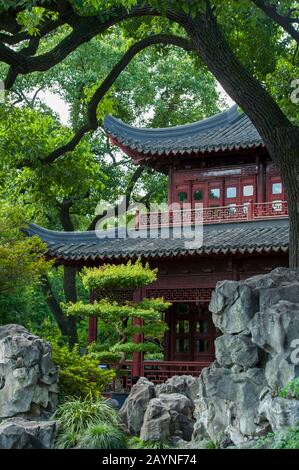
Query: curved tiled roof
point(233, 238)
point(229, 130)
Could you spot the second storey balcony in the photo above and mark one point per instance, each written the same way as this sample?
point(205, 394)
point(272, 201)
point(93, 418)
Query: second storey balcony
point(212, 215)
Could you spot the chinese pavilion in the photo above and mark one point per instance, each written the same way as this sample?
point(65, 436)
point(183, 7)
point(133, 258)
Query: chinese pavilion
point(222, 163)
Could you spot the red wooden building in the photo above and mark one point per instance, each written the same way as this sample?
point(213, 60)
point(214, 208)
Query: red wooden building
point(222, 163)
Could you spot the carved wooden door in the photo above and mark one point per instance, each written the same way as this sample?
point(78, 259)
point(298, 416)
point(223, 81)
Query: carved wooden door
point(192, 332)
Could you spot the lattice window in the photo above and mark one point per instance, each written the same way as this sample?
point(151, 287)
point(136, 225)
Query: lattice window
point(182, 294)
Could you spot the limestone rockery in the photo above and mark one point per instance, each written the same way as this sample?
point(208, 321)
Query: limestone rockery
point(28, 390)
point(235, 400)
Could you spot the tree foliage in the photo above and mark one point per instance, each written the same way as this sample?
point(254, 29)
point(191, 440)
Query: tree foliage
point(72, 46)
point(22, 260)
point(123, 315)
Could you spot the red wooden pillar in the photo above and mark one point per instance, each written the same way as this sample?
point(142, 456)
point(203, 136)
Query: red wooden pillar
point(261, 180)
point(250, 210)
point(137, 219)
point(92, 323)
point(137, 363)
point(92, 329)
point(170, 187)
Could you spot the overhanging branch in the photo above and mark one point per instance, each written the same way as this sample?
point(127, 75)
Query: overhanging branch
point(92, 122)
point(286, 22)
point(84, 29)
point(128, 193)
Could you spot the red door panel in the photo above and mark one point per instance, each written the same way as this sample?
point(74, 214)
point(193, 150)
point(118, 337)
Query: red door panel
point(192, 332)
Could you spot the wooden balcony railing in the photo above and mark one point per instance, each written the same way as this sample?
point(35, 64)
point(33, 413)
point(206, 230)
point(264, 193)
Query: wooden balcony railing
point(212, 215)
point(159, 371)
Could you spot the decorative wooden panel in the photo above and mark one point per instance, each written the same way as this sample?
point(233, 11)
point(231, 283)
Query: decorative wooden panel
point(182, 295)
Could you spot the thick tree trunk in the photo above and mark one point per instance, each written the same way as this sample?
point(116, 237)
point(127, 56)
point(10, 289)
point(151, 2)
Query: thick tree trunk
point(279, 135)
point(285, 148)
point(66, 325)
point(70, 293)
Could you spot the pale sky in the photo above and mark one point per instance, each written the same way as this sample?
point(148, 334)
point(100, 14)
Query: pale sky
point(61, 107)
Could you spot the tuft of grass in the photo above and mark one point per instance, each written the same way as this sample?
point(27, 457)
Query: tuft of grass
point(76, 414)
point(102, 436)
point(137, 443)
point(291, 390)
point(211, 445)
point(66, 440)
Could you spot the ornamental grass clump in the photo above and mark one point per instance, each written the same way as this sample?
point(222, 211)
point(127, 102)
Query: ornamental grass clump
point(130, 318)
point(83, 420)
point(102, 436)
point(75, 414)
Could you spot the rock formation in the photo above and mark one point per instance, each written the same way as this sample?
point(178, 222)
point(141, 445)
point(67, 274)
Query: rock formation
point(259, 319)
point(161, 412)
point(235, 400)
point(28, 389)
point(19, 433)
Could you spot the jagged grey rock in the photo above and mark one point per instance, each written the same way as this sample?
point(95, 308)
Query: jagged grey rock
point(181, 409)
point(170, 414)
point(28, 378)
point(179, 403)
point(243, 352)
point(184, 384)
point(233, 304)
point(279, 412)
point(19, 433)
point(156, 424)
point(237, 350)
point(133, 410)
point(238, 399)
point(274, 329)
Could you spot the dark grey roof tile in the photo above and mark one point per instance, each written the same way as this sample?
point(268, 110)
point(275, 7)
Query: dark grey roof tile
point(242, 237)
point(226, 131)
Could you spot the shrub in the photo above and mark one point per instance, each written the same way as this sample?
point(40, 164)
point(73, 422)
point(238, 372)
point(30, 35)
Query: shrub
point(291, 390)
point(286, 439)
point(102, 436)
point(79, 375)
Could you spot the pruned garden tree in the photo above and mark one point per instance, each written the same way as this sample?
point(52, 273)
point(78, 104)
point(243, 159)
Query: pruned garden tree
point(25, 24)
point(143, 318)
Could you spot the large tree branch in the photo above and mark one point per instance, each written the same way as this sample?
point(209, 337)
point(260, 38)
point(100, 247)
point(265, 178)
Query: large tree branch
point(286, 22)
point(64, 214)
point(237, 81)
point(92, 123)
point(12, 72)
point(84, 29)
point(128, 193)
point(46, 28)
point(8, 21)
